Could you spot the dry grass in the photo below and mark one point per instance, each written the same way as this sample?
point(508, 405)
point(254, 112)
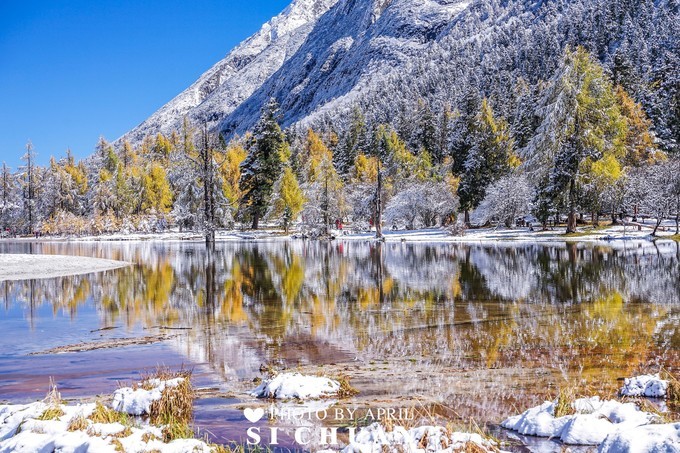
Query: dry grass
point(51, 413)
point(471, 447)
point(117, 445)
point(673, 391)
point(175, 409)
point(565, 400)
point(346, 389)
point(176, 403)
point(53, 401)
point(103, 414)
point(176, 429)
point(78, 423)
point(148, 437)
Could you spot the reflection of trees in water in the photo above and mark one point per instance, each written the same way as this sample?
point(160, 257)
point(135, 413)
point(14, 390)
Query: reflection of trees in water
point(454, 305)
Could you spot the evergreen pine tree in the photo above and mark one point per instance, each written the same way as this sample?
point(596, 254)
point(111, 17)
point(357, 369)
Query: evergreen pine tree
point(261, 169)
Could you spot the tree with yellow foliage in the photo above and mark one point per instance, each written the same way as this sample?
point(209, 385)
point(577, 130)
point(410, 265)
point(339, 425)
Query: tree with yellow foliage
point(288, 198)
point(156, 193)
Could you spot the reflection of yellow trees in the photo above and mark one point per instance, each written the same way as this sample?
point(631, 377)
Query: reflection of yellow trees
point(232, 299)
point(559, 307)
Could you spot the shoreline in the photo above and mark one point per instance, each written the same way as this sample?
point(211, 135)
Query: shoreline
point(605, 234)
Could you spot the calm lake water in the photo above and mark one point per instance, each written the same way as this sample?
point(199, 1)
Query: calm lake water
point(480, 331)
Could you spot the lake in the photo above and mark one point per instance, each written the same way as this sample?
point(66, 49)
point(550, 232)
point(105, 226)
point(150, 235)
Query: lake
point(458, 331)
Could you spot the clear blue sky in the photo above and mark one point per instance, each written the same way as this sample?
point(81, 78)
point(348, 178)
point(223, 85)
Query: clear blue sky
point(72, 70)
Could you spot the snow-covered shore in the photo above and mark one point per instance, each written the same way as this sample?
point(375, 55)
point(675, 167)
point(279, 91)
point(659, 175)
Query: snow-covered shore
point(617, 233)
point(23, 267)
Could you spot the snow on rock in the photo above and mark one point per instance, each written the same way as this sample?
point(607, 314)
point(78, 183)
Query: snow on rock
point(650, 385)
point(23, 267)
point(296, 385)
point(593, 421)
point(649, 438)
point(137, 401)
point(375, 438)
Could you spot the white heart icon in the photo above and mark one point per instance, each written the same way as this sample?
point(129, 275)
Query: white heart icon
point(253, 415)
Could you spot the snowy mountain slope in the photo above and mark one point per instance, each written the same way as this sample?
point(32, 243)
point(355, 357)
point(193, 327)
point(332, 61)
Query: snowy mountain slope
point(354, 46)
point(232, 80)
point(320, 58)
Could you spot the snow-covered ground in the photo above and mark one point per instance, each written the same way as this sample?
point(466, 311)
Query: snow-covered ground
point(137, 401)
point(22, 267)
point(649, 385)
point(614, 426)
point(615, 233)
point(47, 426)
point(296, 385)
point(376, 439)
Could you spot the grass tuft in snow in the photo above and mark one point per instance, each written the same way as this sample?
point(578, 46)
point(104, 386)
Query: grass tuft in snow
point(51, 413)
point(176, 405)
point(149, 437)
point(78, 423)
point(177, 429)
point(117, 445)
point(673, 390)
point(53, 401)
point(565, 402)
point(103, 414)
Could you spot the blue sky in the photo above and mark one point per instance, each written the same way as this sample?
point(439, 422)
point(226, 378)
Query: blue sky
point(72, 70)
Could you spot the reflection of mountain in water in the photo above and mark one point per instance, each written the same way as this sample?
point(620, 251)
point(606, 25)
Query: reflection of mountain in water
point(312, 302)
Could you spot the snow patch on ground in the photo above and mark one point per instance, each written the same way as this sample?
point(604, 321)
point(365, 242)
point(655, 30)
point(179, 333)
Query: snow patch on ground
point(650, 385)
point(375, 438)
point(24, 267)
point(296, 385)
point(137, 401)
point(649, 438)
point(21, 430)
point(593, 421)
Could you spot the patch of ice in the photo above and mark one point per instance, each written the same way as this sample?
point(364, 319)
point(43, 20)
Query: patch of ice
point(296, 385)
point(650, 385)
point(137, 401)
point(593, 421)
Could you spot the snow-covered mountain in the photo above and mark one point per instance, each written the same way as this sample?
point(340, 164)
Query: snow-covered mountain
point(314, 56)
point(320, 58)
point(233, 79)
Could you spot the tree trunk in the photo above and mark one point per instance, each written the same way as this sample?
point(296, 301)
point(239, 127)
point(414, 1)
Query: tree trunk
point(658, 223)
point(378, 206)
point(256, 221)
point(466, 217)
point(635, 213)
point(571, 219)
point(596, 219)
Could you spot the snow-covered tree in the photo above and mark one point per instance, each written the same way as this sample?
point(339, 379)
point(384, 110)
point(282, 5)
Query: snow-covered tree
point(9, 205)
point(656, 189)
point(262, 167)
point(489, 158)
point(423, 204)
point(581, 124)
point(506, 200)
